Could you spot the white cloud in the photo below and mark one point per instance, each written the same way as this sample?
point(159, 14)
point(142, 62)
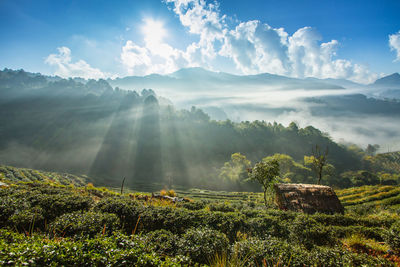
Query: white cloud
point(256, 47)
point(64, 67)
point(251, 46)
point(154, 57)
point(309, 57)
point(394, 43)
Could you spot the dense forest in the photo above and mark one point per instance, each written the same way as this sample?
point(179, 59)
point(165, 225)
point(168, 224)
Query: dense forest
point(89, 128)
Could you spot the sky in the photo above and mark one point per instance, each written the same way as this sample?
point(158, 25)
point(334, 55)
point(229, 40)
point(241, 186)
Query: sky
point(355, 40)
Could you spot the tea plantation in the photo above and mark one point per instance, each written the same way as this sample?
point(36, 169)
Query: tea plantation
point(48, 222)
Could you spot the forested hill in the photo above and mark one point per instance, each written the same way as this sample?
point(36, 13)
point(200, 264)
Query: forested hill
point(91, 128)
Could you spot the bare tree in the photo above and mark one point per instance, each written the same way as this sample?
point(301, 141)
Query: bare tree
point(318, 160)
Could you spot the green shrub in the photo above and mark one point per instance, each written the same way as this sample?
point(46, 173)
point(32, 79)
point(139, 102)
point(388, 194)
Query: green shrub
point(202, 244)
point(277, 252)
point(368, 232)
point(272, 250)
point(176, 220)
point(27, 219)
point(337, 256)
point(116, 250)
point(163, 242)
point(392, 236)
point(228, 223)
point(8, 205)
point(307, 231)
point(85, 224)
point(126, 209)
point(270, 225)
point(193, 205)
point(54, 205)
point(223, 207)
point(52, 200)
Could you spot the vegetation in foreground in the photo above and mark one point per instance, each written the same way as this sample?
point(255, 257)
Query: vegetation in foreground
point(54, 224)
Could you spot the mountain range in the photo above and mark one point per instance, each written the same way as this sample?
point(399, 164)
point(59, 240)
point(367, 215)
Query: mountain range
point(346, 110)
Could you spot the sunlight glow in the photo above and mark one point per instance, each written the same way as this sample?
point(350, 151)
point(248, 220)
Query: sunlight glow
point(153, 31)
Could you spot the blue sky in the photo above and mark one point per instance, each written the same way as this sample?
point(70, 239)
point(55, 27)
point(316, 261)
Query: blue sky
point(357, 40)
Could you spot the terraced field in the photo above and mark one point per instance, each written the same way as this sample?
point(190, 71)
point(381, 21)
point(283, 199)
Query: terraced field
point(28, 175)
point(379, 196)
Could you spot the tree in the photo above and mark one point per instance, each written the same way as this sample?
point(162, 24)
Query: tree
point(235, 169)
point(317, 161)
point(290, 170)
point(265, 173)
point(371, 149)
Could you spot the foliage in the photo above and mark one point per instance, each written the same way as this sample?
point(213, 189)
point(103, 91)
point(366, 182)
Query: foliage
point(358, 242)
point(306, 231)
point(116, 250)
point(289, 168)
point(235, 171)
point(65, 119)
point(224, 207)
point(392, 236)
point(265, 173)
point(28, 175)
point(123, 230)
point(163, 242)
point(127, 210)
point(360, 178)
point(317, 161)
point(275, 252)
point(201, 244)
point(41, 205)
point(85, 224)
point(385, 162)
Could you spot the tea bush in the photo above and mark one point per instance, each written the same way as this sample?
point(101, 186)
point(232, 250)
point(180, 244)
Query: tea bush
point(392, 236)
point(193, 205)
point(201, 244)
point(75, 231)
point(26, 219)
point(38, 204)
point(224, 207)
point(163, 242)
point(116, 250)
point(85, 224)
point(126, 209)
point(275, 252)
point(307, 231)
point(260, 226)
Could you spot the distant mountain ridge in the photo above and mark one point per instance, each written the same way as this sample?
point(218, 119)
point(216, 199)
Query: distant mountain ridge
point(202, 79)
point(390, 80)
point(387, 87)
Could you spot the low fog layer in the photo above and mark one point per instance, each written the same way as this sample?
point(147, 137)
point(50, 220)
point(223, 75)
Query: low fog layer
point(88, 127)
point(347, 111)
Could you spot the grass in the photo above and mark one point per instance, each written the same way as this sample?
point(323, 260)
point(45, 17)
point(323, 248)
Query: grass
point(357, 242)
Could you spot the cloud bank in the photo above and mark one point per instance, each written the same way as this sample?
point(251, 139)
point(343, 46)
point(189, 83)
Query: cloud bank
point(394, 43)
point(252, 46)
point(64, 67)
point(248, 47)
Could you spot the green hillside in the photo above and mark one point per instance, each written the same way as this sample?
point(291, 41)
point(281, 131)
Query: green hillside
point(14, 174)
point(106, 133)
point(371, 196)
point(388, 162)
